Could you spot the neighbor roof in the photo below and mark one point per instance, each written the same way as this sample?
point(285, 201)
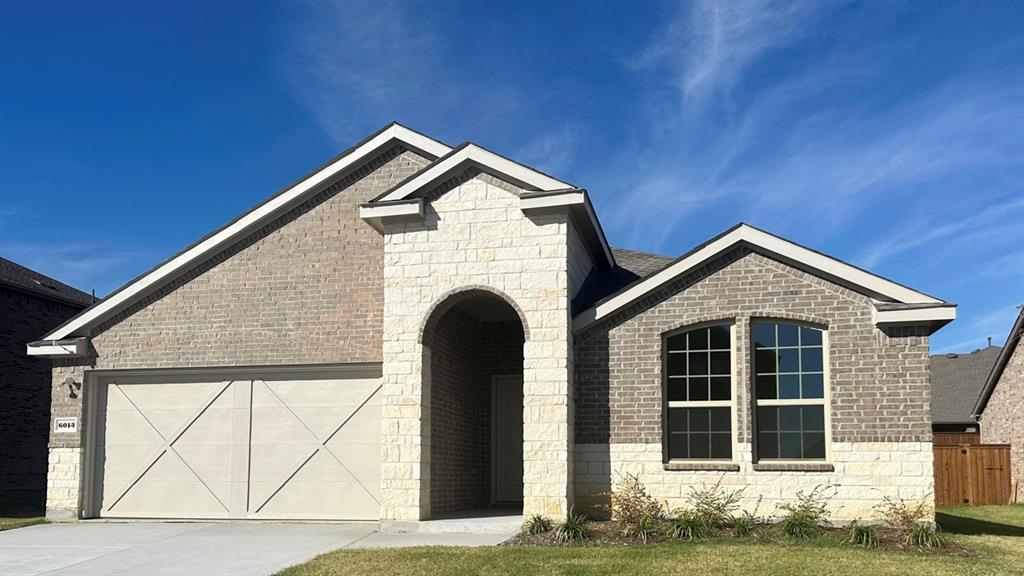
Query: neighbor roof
point(900, 304)
point(1012, 341)
point(17, 277)
point(957, 379)
point(247, 223)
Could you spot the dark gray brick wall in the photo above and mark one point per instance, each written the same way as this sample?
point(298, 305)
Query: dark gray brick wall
point(25, 388)
point(879, 379)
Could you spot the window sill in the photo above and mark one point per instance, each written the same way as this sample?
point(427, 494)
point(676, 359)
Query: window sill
point(696, 466)
point(793, 467)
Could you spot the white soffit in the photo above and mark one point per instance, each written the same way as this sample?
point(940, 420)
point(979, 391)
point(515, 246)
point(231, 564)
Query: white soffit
point(786, 250)
point(236, 230)
point(72, 348)
point(475, 154)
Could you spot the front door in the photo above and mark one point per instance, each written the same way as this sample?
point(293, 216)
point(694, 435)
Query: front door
point(507, 439)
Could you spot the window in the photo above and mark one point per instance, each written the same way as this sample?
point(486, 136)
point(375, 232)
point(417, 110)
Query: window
point(789, 388)
point(699, 393)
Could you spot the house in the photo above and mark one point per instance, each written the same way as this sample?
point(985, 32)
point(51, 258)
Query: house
point(30, 304)
point(957, 381)
point(1000, 406)
point(414, 330)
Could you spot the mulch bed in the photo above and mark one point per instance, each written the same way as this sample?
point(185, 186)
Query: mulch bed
point(611, 533)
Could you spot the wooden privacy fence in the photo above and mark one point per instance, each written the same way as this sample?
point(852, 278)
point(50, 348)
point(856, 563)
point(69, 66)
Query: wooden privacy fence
point(976, 475)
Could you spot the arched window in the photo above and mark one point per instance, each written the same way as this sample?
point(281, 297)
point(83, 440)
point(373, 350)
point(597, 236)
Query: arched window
point(789, 391)
point(699, 393)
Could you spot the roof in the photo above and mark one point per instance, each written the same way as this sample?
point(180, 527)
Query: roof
point(631, 265)
point(22, 279)
point(957, 379)
point(248, 222)
point(905, 305)
point(1012, 341)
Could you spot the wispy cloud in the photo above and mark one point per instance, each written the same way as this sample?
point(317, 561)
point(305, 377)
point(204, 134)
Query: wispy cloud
point(553, 152)
point(994, 323)
point(351, 60)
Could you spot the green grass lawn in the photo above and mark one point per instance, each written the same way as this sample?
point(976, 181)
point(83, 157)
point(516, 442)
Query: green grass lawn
point(19, 508)
point(989, 533)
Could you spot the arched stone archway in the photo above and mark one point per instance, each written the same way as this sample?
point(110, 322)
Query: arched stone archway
point(472, 343)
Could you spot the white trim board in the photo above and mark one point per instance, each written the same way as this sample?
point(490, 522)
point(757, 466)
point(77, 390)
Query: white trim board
point(787, 251)
point(233, 232)
point(471, 153)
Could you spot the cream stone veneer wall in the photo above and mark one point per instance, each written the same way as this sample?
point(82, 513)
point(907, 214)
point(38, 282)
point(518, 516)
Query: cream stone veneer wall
point(865, 472)
point(475, 236)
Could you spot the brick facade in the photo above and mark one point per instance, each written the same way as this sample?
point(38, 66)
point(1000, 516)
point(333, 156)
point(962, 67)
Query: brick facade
point(304, 289)
point(880, 396)
point(1003, 419)
point(25, 387)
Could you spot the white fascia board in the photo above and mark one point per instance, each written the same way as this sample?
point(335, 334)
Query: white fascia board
point(72, 348)
point(568, 198)
point(769, 243)
point(485, 158)
point(392, 210)
point(271, 209)
point(912, 316)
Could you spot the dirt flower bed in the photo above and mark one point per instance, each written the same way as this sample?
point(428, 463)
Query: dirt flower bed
point(611, 533)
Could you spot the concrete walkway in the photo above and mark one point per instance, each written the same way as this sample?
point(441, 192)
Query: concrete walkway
point(188, 549)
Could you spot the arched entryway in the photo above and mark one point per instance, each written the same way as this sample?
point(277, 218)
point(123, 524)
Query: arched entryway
point(473, 388)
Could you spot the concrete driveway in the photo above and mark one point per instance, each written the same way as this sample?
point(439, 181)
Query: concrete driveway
point(188, 549)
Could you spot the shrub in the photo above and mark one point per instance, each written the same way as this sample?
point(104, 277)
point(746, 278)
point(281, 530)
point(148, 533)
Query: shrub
point(642, 530)
point(900, 515)
point(574, 529)
point(748, 523)
point(715, 505)
point(925, 535)
point(537, 524)
point(863, 536)
point(808, 516)
point(688, 526)
point(630, 501)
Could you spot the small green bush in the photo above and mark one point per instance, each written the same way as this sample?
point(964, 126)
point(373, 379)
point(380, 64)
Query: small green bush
point(745, 525)
point(689, 526)
point(630, 501)
point(537, 524)
point(643, 530)
point(900, 515)
point(925, 535)
point(573, 529)
point(808, 516)
point(863, 536)
point(715, 505)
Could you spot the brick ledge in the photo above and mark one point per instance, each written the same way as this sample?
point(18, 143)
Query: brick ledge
point(793, 467)
point(692, 466)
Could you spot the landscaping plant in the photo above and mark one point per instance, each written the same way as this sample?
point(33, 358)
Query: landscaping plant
point(925, 535)
point(715, 505)
point(901, 516)
point(537, 524)
point(865, 536)
point(630, 501)
point(574, 529)
point(808, 516)
point(688, 526)
point(642, 530)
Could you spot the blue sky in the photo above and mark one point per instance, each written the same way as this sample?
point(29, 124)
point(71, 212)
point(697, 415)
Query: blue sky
point(888, 134)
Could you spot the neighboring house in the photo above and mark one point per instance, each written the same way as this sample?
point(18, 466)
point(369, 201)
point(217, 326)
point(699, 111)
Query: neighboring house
point(30, 304)
point(957, 381)
point(1000, 407)
point(414, 330)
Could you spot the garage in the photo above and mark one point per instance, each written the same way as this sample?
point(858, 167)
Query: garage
point(261, 444)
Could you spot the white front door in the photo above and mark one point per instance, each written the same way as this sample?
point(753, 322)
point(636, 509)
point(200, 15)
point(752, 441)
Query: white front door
point(507, 439)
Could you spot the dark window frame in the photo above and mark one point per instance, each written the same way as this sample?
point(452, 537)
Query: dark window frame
point(755, 403)
point(731, 403)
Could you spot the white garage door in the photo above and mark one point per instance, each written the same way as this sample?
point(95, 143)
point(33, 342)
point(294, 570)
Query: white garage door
point(301, 446)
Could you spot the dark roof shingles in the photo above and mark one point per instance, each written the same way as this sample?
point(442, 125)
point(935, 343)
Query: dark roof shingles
point(631, 265)
point(957, 379)
point(27, 280)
